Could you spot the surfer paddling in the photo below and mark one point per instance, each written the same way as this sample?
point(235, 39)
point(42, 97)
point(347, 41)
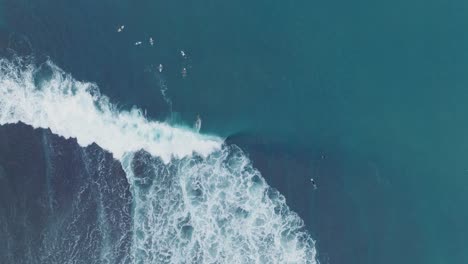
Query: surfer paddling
point(313, 183)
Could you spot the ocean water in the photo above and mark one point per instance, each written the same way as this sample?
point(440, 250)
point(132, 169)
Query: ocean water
point(368, 98)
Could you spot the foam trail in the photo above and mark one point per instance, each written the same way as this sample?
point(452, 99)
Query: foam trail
point(195, 200)
point(46, 97)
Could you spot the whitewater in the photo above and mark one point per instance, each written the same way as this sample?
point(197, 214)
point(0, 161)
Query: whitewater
point(195, 199)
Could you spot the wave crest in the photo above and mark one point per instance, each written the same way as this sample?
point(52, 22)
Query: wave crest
point(46, 97)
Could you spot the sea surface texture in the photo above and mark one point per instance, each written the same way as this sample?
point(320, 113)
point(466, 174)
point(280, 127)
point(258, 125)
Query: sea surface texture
point(176, 131)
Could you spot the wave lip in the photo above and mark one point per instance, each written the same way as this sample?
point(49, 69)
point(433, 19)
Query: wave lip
point(46, 97)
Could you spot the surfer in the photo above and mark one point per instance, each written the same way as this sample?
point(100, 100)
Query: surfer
point(197, 124)
point(137, 43)
point(184, 72)
point(151, 41)
point(313, 183)
point(183, 54)
point(121, 28)
point(160, 68)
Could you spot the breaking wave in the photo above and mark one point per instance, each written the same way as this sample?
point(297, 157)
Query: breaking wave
point(194, 198)
point(46, 97)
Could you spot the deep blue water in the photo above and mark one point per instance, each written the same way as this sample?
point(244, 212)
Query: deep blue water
point(41, 177)
point(368, 98)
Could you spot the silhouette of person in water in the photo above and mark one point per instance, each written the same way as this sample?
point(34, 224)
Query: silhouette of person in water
point(313, 183)
point(197, 124)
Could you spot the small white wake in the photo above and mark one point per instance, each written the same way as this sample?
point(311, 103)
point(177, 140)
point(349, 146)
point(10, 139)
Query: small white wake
point(46, 97)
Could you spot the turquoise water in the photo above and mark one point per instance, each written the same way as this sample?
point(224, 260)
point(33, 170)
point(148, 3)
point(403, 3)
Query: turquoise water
point(367, 97)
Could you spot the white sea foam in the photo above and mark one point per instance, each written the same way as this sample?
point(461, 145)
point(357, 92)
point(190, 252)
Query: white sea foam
point(46, 97)
point(216, 209)
point(211, 207)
